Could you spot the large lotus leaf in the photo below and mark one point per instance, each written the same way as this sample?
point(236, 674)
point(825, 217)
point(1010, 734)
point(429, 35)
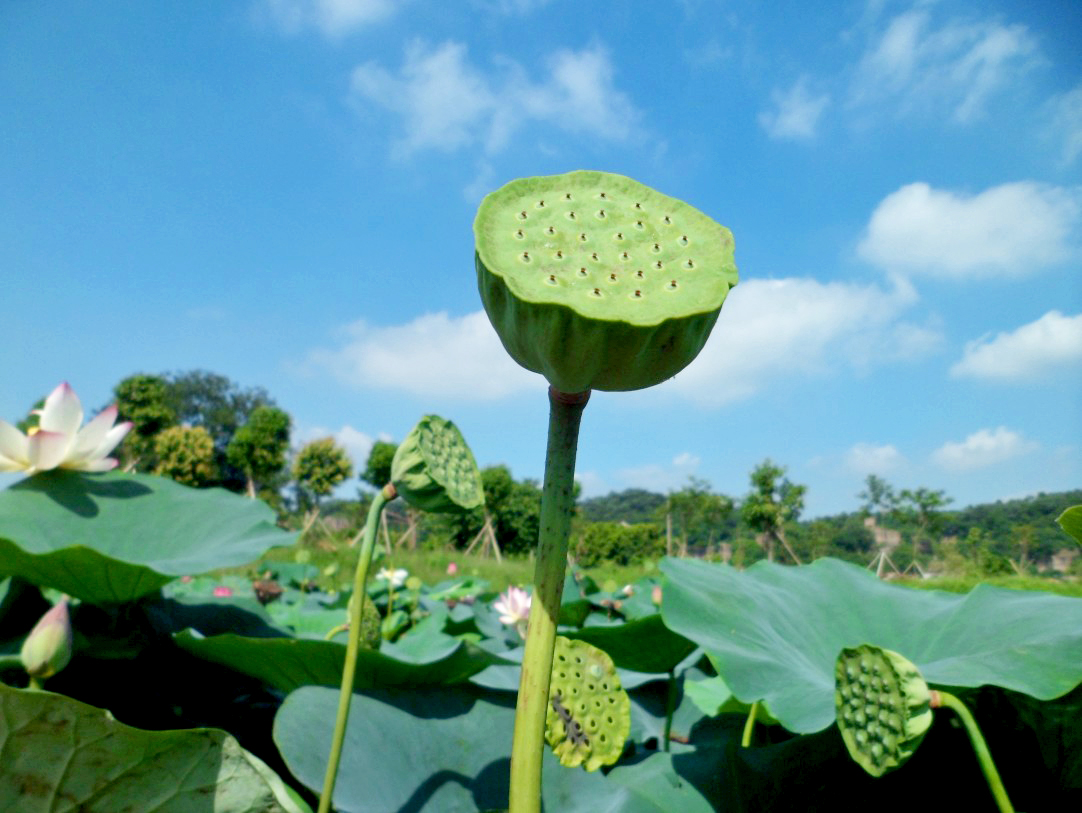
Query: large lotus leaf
point(116, 537)
point(776, 631)
point(288, 663)
point(1071, 522)
point(60, 755)
point(447, 750)
point(644, 645)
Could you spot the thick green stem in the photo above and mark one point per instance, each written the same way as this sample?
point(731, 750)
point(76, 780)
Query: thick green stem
point(557, 506)
point(353, 644)
point(980, 747)
point(749, 725)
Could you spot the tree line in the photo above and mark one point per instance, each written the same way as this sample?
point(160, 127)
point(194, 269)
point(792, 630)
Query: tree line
point(202, 429)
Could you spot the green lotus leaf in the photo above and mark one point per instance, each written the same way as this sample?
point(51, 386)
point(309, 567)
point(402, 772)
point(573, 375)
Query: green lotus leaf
point(775, 631)
point(116, 537)
point(60, 754)
point(434, 470)
point(883, 707)
point(597, 281)
point(644, 645)
point(1071, 522)
point(435, 750)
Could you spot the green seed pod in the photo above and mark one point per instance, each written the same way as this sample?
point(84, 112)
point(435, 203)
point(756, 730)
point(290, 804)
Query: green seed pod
point(433, 469)
point(891, 718)
point(47, 649)
point(589, 714)
point(597, 281)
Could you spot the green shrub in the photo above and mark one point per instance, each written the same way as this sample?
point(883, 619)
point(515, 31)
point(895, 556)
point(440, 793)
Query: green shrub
point(617, 543)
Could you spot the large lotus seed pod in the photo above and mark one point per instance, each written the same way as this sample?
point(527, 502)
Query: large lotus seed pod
point(589, 714)
point(433, 469)
point(883, 707)
point(598, 282)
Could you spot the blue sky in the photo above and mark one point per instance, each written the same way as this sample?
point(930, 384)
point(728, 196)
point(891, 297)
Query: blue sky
point(282, 191)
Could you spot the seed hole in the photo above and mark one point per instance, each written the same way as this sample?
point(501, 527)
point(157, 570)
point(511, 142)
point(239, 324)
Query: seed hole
point(672, 285)
point(624, 256)
point(603, 196)
point(658, 264)
point(619, 235)
point(593, 256)
point(640, 274)
point(525, 256)
point(668, 219)
point(612, 278)
point(638, 224)
point(684, 240)
point(638, 205)
point(522, 215)
point(601, 214)
point(656, 248)
point(582, 272)
point(552, 279)
point(582, 237)
point(597, 292)
point(551, 230)
point(567, 196)
point(689, 264)
point(519, 234)
point(638, 294)
point(570, 215)
point(540, 204)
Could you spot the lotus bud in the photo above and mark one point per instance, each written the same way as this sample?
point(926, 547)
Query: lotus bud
point(597, 281)
point(883, 707)
point(434, 470)
point(48, 647)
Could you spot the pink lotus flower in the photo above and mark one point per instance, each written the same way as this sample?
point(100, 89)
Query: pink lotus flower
point(513, 606)
point(223, 592)
point(452, 569)
point(58, 441)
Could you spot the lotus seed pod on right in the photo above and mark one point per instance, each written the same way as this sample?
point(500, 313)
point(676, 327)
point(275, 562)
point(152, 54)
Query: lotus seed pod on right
point(597, 281)
point(883, 707)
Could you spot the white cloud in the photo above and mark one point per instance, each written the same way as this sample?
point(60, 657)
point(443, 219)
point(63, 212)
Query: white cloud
point(796, 114)
point(434, 355)
point(1036, 350)
point(357, 444)
point(446, 103)
point(1013, 229)
point(773, 329)
point(985, 447)
point(659, 477)
point(914, 66)
point(333, 18)
point(1067, 123)
point(866, 458)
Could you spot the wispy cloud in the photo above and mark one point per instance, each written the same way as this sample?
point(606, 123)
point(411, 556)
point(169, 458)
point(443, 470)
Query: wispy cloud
point(985, 447)
point(332, 18)
point(915, 65)
point(433, 355)
point(660, 477)
point(868, 458)
point(802, 327)
point(1012, 230)
point(796, 112)
point(1066, 123)
point(445, 102)
point(1034, 351)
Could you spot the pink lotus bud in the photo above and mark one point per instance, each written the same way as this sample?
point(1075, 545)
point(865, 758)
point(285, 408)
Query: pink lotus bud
point(655, 594)
point(47, 648)
point(452, 569)
point(223, 592)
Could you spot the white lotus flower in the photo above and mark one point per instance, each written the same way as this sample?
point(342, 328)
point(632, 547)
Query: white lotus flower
point(396, 577)
point(58, 441)
point(513, 606)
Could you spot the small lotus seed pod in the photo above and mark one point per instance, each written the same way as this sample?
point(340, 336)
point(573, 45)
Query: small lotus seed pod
point(589, 714)
point(47, 649)
point(434, 470)
point(597, 281)
point(891, 720)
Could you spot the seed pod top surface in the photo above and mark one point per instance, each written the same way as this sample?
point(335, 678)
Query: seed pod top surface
point(434, 470)
point(597, 281)
point(883, 707)
point(589, 713)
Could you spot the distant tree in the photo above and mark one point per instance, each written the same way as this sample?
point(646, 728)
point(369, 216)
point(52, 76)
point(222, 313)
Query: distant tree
point(772, 503)
point(143, 399)
point(377, 469)
point(320, 465)
point(631, 505)
point(259, 448)
point(878, 497)
point(185, 454)
point(513, 508)
point(30, 421)
point(922, 509)
point(696, 512)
